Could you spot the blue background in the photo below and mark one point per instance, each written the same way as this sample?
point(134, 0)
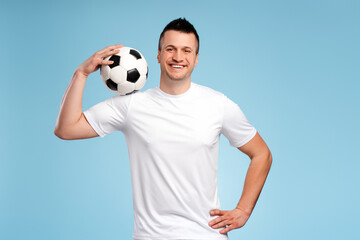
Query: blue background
point(292, 66)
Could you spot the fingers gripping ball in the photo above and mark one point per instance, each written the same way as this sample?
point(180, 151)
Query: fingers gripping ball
point(128, 72)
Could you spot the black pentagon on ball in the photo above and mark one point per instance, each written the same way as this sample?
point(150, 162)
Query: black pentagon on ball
point(116, 60)
point(111, 84)
point(133, 75)
point(135, 53)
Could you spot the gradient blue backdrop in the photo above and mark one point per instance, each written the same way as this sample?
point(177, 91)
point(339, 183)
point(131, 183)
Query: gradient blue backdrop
point(292, 66)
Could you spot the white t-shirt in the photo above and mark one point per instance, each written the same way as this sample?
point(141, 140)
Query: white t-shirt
point(173, 143)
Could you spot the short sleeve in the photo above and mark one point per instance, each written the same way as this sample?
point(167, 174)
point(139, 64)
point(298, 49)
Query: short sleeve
point(235, 127)
point(110, 115)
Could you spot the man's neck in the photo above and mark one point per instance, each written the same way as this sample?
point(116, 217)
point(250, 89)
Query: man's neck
point(175, 87)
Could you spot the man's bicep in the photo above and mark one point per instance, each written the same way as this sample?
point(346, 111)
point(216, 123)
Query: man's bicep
point(80, 130)
point(85, 129)
point(255, 146)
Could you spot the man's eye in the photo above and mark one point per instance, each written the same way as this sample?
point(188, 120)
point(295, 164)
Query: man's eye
point(187, 50)
point(170, 49)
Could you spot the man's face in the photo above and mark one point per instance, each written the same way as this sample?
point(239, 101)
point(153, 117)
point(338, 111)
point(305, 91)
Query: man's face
point(177, 56)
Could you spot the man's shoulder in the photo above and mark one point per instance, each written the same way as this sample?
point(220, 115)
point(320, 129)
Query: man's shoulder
point(207, 91)
point(129, 97)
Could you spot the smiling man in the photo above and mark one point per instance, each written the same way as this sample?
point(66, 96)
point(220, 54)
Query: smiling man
point(172, 132)
point(178, 55)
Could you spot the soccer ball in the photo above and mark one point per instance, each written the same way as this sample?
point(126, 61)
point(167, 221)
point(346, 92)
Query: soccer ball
point(127, 74)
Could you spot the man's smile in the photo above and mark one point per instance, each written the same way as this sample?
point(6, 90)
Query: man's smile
point(176, 66)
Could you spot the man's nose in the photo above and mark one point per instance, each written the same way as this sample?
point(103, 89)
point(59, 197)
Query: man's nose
point(178, 56)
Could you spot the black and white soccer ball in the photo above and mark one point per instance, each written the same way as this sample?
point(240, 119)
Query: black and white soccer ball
point(127, 74)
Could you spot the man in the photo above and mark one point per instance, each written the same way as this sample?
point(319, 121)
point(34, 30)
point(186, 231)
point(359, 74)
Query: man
point(172, 132)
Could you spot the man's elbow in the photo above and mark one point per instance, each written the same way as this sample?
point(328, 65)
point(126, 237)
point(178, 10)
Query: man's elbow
point(268, 158)
point(264, 158)
point(61, 134)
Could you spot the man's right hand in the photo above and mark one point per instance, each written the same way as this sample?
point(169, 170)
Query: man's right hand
point(93, 63)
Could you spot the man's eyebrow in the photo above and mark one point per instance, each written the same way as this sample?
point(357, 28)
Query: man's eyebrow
point(170, 45)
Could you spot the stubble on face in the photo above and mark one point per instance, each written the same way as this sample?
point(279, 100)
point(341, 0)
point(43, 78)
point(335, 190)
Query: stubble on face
point(177, 56)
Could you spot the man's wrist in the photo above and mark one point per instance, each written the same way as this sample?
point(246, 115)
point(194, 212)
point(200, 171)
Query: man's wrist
point(80, 74)
point(246, 210)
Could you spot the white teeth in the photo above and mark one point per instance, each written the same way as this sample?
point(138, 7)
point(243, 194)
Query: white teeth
point(177, 66)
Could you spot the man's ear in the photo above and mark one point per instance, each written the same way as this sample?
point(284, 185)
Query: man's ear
point(197, 59)
point(158, 56)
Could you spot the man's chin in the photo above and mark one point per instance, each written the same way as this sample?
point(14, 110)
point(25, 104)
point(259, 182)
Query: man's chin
point(176, 78)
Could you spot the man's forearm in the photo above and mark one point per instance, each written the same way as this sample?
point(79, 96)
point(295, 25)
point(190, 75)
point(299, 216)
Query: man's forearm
point(71, 104)
point(254, 181)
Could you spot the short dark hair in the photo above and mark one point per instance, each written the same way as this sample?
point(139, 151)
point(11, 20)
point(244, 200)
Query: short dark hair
point(181, 25)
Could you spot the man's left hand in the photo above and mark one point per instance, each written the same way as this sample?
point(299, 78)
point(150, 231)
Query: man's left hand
point(231, 219)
